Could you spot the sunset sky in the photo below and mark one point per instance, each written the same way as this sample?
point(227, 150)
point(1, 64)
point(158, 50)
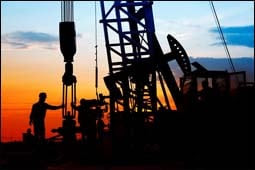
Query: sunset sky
point(31, 61)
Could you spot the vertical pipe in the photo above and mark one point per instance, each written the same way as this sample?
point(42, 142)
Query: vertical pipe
point(66, 100)
point(61, 12)
point(96, 81)
point(63, 98)
point(72, 98)
point(0, 109)
point(64, 9)
point(66, 12)
point(96, 70)
point(69, 11)
point(72, 11)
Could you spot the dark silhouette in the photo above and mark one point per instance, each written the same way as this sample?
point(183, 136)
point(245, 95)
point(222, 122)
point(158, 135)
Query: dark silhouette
point(206, 94)
point(87, 118)
point(100, 127)
point(37, 116)
point(28, 137)
point(82, 117)
point(69, 128)
point(190, 97)
point(91, 123)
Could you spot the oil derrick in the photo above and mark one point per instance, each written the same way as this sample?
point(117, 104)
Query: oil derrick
point(138, 86)
point(136, 61)
point(132, 87)
point(135, 56)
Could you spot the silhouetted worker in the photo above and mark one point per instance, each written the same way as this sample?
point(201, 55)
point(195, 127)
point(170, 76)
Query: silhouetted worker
point(37, 116)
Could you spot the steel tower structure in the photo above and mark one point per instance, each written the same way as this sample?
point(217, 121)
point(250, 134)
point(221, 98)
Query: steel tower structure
point(136, 59)
point(129, 29)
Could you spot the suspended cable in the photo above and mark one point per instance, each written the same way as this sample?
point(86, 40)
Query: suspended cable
point(222, 36)
point(96, 69)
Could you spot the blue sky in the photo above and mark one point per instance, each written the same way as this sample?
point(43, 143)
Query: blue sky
point(29, 27)
point(191, 23)
point(32, 62)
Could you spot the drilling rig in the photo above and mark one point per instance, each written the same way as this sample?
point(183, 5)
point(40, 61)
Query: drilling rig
point(136, 63)
point(142, 127)
point(138, 70)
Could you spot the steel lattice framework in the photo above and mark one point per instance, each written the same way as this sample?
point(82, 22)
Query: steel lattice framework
point(129, 30)
point(136, 59)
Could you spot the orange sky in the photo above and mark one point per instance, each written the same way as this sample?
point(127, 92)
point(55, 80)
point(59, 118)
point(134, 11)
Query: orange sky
point(26, 72)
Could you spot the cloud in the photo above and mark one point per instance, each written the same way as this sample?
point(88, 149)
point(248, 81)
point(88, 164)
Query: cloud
point(23, 40)
point(26, 39)
point(237, 35)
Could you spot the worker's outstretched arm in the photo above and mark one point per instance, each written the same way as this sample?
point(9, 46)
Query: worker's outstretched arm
point(54, 107)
